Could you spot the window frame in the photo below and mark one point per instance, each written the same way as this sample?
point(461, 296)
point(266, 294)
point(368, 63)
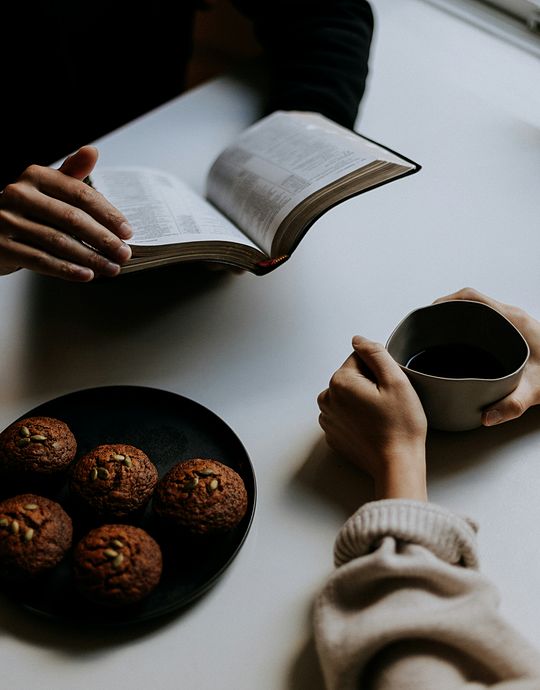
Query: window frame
point(523, 9)
point(515, 21)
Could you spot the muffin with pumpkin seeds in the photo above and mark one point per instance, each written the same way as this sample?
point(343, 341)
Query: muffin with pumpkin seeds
point(117, 565)
point(36, 447)
point(35, 534)
point(113, 481)
point(201, 497)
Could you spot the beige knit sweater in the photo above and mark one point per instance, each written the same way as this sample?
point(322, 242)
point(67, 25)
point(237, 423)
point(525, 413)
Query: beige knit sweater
point(407, 609)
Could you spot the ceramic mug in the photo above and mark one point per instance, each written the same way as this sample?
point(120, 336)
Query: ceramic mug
point(453, 402)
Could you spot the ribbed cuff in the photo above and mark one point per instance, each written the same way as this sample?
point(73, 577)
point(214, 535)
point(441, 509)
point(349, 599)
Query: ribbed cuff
point(450, 537)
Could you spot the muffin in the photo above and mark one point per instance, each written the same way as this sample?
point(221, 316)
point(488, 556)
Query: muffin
point(35, 533)
point(36, 446)
point(201, 497)
point(113, 481)
point(117, 565)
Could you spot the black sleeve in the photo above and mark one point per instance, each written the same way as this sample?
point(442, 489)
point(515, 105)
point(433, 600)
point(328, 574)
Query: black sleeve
point(318, 52)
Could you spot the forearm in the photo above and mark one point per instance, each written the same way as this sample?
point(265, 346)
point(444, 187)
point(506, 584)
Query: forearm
point(406, 608)
point(318, 51)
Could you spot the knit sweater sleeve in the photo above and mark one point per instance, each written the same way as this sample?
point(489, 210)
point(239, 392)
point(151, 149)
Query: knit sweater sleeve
point(318, 53)
point(407, 609)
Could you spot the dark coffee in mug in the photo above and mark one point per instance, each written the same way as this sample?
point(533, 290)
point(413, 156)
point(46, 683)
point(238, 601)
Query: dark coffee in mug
point(457, 361)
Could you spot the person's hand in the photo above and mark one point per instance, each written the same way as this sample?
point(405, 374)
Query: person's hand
point(53, 223)
point(527, 393)
point(372, 416)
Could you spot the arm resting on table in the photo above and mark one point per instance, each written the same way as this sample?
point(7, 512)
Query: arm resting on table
point(407, 609)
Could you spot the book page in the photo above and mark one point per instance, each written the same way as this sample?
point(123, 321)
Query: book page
point(162, 210)
point(280, 161)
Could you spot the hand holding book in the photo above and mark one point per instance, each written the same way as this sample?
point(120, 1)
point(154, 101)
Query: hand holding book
point(264, 191)
point(54, 224)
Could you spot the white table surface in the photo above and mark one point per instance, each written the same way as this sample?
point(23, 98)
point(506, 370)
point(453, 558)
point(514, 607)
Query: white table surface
point(258, 350)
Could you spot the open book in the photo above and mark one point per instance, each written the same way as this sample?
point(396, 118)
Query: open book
point(263, 192)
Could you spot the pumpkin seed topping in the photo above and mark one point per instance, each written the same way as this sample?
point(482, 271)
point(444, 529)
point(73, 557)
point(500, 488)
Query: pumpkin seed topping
point(38, 438)
point(188, 486)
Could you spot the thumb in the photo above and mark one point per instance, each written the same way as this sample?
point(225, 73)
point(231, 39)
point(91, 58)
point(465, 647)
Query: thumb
point(511, 407)
point(81, 163)
point(378, 360)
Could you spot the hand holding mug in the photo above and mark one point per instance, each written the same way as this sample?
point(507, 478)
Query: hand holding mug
point(373, 417)
point(527, 392)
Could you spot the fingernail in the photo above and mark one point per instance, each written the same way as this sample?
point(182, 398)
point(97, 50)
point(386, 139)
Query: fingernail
point(84, 274)
point(125, 231)
point(110, 269)
point(493, 417)
point(124, 252)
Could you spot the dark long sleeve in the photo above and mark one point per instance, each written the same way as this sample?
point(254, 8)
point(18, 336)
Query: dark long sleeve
point(129, 59)
point(318, 53)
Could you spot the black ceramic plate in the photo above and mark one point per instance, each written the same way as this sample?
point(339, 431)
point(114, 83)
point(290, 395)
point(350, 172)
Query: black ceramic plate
point(168, 428)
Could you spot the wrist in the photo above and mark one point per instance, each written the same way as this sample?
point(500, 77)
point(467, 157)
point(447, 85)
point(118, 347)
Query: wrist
point(402, 475)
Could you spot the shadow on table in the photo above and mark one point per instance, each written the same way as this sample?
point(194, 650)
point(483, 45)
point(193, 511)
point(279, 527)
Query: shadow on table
point(70, 639)
point(339, 483)
point(305, 672)
point(120, 303)
point(81, 334)
point(342, 486)
point(450, 453)
point(335, 480)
